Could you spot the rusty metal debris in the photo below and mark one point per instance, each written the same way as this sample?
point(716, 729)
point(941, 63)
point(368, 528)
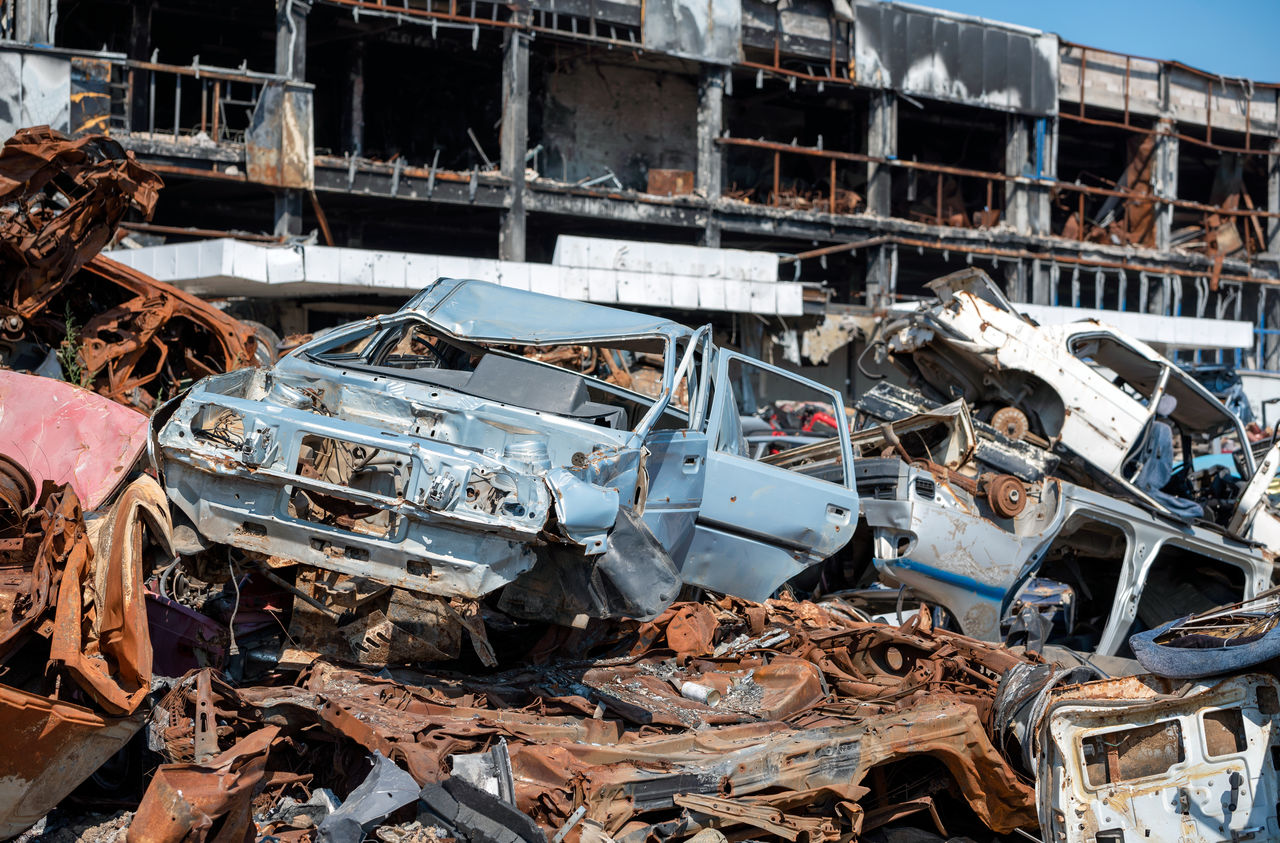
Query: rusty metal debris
point(75, 649)
point(67, 310)
point(822, 728)
point(60, 202)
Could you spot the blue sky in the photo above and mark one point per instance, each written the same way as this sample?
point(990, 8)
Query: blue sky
point(1229, 37)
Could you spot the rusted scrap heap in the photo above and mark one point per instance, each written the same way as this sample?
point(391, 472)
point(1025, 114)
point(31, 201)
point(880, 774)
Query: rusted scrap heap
point(778, 721)
point(67, 311)
point(74, 645)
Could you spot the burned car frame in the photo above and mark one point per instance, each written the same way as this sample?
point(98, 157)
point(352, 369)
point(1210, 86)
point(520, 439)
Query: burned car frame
point(1085, 390)
point(1121, 565)
point(1065, 517)
point(421, 450)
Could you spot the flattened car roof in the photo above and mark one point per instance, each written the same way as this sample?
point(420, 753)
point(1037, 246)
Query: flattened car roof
point(486, 312)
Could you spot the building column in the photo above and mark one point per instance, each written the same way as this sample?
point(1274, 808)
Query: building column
point(291, 61)
point(354, 122)
point(882, 142)
point(139, 50)
point(291, 38)
point(514, 141)
point(1044, 165)
point(1164, 180)
point(1015, 281)
point(1017, 149)
point(288, 213)
point(882, 276)
point(1273, 200)
point(709, 177)
point(1041, 283)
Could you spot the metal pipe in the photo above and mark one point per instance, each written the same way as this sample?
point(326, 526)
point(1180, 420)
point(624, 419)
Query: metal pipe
point(217, 110)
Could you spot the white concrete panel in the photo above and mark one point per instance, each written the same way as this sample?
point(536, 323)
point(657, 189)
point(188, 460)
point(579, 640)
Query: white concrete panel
point(763, 297)
point(711, 293)
point(248, 261)
point(737, 296)
point(790, 298)
point(421, 270)
point(575, 284)
point(664, 258)
point(545, 279)
point(322, 264)
point(284, 266)
point(355, 267)
point(389, 271)
point(684, 293)
point(451, 266)
point(1164, 331)
point(644, 288)
point(602, 286)
point(230, 267)
point(512, 274)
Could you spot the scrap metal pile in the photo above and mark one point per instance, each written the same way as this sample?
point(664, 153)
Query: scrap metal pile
point(503, 567)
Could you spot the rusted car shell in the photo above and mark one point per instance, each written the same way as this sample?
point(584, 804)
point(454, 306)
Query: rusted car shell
point(100, 631)
point(130, 352)
point(43, 242)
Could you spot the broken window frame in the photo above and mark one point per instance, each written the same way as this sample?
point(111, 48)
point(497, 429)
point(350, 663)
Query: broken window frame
point(379, 327)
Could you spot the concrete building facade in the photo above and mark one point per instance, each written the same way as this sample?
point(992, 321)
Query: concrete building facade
point(868, 146)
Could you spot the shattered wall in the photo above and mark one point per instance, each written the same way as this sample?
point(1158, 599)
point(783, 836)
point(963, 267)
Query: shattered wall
point(600, 117)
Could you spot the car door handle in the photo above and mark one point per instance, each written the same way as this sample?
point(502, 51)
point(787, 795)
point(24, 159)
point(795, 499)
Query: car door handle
point(837, 514)
point(691, 464)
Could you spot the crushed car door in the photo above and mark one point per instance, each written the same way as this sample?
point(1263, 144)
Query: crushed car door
point(1198, 768)
point(1253, 518)
point(675, 468)
point(761, 524)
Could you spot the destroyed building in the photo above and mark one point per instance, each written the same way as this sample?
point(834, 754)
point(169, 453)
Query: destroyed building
point(855, 150)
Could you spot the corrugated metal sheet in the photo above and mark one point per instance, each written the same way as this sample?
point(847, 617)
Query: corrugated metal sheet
point(706, 30)
point(963, 60)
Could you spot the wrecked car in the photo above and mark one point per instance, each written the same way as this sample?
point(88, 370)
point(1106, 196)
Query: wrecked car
point(1052, 500)
point(975, 523)
point(1121, 414)
point(424, 450)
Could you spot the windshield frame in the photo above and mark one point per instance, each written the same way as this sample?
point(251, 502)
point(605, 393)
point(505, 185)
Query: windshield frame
point(379, 326)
